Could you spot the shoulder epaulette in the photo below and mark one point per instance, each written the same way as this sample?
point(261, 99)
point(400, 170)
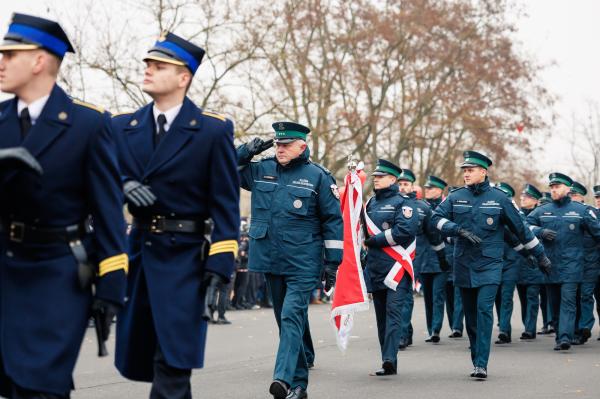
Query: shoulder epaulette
point(214, 115)
point(323, 168)
point(88, 105)
point(121, 113)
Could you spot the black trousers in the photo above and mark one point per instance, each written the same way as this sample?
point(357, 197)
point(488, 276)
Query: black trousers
point(169, 382)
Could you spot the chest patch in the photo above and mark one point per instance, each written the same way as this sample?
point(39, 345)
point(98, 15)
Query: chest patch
point(388, 207)
point(297, 204)
point(462, 201)
point(385, 225)
point(407, 211)
point(303, 182)
point(571, 226)
point(593, 214)
point(267, 177)
point(491, 202)
point(489, 221)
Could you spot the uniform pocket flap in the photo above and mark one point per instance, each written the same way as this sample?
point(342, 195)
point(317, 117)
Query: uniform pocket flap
point(490, 211)
point(300, 192)
point(493, 251)
point(297, 237)
point(461, 209)
point(258, 231)
point(262, 186)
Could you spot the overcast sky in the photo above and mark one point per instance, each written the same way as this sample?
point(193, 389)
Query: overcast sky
point(554, 31)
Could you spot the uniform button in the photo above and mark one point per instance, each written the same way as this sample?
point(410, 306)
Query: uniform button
point(9, 254)
point(172, 214)
point(148, 243)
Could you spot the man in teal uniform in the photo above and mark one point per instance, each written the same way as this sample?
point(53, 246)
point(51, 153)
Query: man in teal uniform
point(296, 234)
point(584, 321)
point(562, 225)
point(477, 215)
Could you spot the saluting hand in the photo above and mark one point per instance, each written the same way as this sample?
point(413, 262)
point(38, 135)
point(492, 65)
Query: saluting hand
point(258, 145)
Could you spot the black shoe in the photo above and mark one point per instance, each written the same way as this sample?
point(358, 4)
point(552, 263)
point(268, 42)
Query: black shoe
point(473, 372)
point(387, 368)
point(434, 338)
point(402, 346)
point(557, 347)
point(503, 338)
point(527, 336)
point(409, 342)
point(310, 365)
point(297, 393)
point(585, 334)
point(565, 346)
point(577, 341)
point(480, 373)
point(278, 389)
point(543, 331)
point(222, 320)
point(455, 334)
point(551, 330)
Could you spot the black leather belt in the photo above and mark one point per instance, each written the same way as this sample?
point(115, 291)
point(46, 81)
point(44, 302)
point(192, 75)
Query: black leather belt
point(21, 232)
point(161, 224)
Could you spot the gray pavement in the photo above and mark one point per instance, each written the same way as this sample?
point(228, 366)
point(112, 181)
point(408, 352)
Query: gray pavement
point(240, 360)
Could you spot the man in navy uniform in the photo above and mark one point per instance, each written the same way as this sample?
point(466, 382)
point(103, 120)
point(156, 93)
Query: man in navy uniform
point(562, 224)
point(531, 278)
point(510, 274)
point(296, 234)
point(430, 257)
point(584, 321)
point(180, 178)
point(476, 215)
point(50, 252)
point(398, 223)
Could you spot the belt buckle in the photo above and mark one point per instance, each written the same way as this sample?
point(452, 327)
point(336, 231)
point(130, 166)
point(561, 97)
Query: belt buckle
point(17, 231)
point(157, 225)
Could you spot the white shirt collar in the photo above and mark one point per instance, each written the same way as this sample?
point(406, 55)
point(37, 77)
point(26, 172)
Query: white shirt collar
point(35, 108)
point(170, 114)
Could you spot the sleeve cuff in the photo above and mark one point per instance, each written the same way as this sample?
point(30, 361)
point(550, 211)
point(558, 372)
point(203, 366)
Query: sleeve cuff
point(224, 247)
point(113, 263)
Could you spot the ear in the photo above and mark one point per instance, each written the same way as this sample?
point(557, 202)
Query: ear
point(184, 79)
point(39, 62)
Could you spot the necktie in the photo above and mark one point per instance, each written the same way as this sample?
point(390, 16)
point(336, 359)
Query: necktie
point(25, 121)
point(162, 121)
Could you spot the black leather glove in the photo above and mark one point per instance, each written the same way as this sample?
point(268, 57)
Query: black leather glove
point(532, 261)
point(138, 194)
point(548, 235)
point(469, 236)
point(370, 242)
point(19, 158)
point(103, 313)
point(258, 145)
point(544, 264)
point(329, 276)
point(444, 265)
point(210, 283)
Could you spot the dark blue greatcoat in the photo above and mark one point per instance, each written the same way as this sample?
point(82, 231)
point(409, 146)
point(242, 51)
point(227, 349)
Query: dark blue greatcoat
point(44, 312)
point(193, 174)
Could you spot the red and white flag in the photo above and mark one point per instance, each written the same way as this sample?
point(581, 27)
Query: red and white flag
point(350, 293)
point(402, 256)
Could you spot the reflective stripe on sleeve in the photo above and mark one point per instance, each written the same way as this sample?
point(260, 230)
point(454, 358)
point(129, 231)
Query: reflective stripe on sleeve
point(532, 243)
point(438, 247)
point(441, 223)
point(334, 244)
point(518, 247)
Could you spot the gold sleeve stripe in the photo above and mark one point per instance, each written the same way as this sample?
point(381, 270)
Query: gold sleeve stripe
point(212, 114)
point(223, 246)
point(114, 263)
